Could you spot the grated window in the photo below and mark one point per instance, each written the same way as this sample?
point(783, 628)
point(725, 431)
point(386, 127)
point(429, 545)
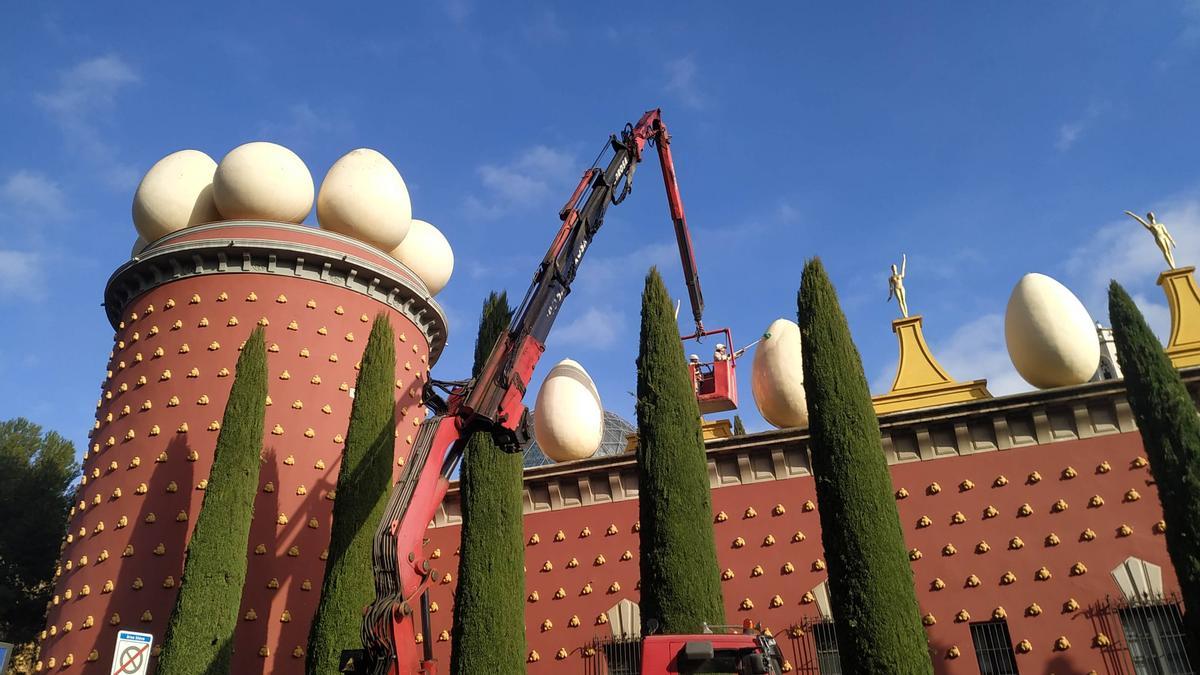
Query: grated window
point(993, 648)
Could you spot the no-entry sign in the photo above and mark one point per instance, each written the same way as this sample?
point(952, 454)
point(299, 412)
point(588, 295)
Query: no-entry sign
point(132, 655)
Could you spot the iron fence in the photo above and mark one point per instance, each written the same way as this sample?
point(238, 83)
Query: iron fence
point(1141, 637)
point(814, 647)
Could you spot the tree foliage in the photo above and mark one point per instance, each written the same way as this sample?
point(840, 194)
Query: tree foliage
point(488, 631)
point(870, 580)
point(199, 637)
point(1170, 430)
point(680, 578)
point(36, 470)
point(364, 480)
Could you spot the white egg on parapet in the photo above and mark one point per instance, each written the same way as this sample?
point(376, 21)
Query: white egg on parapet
point(263, 181)
point(364, 196)
point(176, 192)
point(1051, 338)
point(777, 376)
point(427, 253)
point(568, 420)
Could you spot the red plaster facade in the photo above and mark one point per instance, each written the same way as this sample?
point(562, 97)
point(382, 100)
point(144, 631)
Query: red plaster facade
point(194, 298)
point(1077, 446)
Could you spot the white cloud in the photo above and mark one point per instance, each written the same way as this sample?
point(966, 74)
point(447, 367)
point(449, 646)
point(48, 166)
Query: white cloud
point(20, 274)
point(681, 81)
point(600, 274)
point(1123, 250)
point(527, 180)
point(301, 124)
point(1067, 135)
point(457, 10)
point(89, 85)
point(84, 92)
point(546, 27)
point(1071, 131)
point(31, 195)
point(974, 351)
point(597, 328)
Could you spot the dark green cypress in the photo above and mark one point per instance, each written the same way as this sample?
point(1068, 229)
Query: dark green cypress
point(489, 602)
point(870, 580)
point(1170, 430)
point(739, 429)
point(364, 480)
point(681, 587)
point(199, 636)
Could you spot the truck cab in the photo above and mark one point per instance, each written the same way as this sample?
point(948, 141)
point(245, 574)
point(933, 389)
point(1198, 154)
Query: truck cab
point(744, 653)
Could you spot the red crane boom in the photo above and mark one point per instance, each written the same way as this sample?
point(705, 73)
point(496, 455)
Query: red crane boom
point(493, 402)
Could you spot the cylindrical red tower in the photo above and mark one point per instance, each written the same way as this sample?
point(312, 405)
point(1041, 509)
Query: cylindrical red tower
point(181, 309)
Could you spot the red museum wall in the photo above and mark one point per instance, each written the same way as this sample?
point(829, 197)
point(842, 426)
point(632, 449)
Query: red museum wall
point(796, 532)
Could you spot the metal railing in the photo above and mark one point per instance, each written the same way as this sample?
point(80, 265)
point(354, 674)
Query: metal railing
point(1142, 637)
point(615, 655)
point(814, 647)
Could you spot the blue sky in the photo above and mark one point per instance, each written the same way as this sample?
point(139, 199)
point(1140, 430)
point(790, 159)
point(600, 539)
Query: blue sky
point(986, 140)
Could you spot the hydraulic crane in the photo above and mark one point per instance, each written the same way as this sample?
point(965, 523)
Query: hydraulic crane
point(493, 402)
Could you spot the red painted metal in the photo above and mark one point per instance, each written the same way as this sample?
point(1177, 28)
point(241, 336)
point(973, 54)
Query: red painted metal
point(493, 402)
point(715, 380)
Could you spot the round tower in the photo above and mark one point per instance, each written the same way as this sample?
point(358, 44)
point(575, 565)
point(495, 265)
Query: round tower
point(181, 309)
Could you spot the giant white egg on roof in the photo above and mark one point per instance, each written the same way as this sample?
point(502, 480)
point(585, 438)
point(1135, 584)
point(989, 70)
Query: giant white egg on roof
point(176, 192)
point(568, 420)
point(263, 181)
point(777, 376)
point(364, 196)
point(427, 253)
point(1051, 337)
point(139, 245)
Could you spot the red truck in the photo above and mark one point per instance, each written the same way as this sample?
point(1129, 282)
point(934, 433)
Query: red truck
point(748, 652)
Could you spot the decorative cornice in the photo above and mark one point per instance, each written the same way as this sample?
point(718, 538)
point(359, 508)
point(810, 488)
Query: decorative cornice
point(1038, 418)
point(276, 248)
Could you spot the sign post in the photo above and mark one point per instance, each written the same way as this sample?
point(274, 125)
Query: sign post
point(132, 654)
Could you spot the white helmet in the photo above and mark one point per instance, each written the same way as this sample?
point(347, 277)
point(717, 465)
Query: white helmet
point(720, 347)
point(694, 357)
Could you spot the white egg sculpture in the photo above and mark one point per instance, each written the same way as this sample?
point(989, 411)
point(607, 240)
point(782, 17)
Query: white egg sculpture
point(364, 196)
point(427, 253)
point(263, 181)
point(777, 376)
point(176, 192)
point(1051, 337)
point(139, 245)
point(568, 420)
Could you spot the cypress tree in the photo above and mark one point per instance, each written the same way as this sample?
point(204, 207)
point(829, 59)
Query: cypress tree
point(739, 429)
point(680, 579)
point(364, 480)
point(1170, 430)
point(199, 636)
point(489, 631)
point(870, 580)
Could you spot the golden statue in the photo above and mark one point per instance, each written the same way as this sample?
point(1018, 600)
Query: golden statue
point(896, 286)
point(1161, 237)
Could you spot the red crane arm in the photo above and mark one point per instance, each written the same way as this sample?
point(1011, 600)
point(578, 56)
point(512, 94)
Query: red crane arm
point(494, 401)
